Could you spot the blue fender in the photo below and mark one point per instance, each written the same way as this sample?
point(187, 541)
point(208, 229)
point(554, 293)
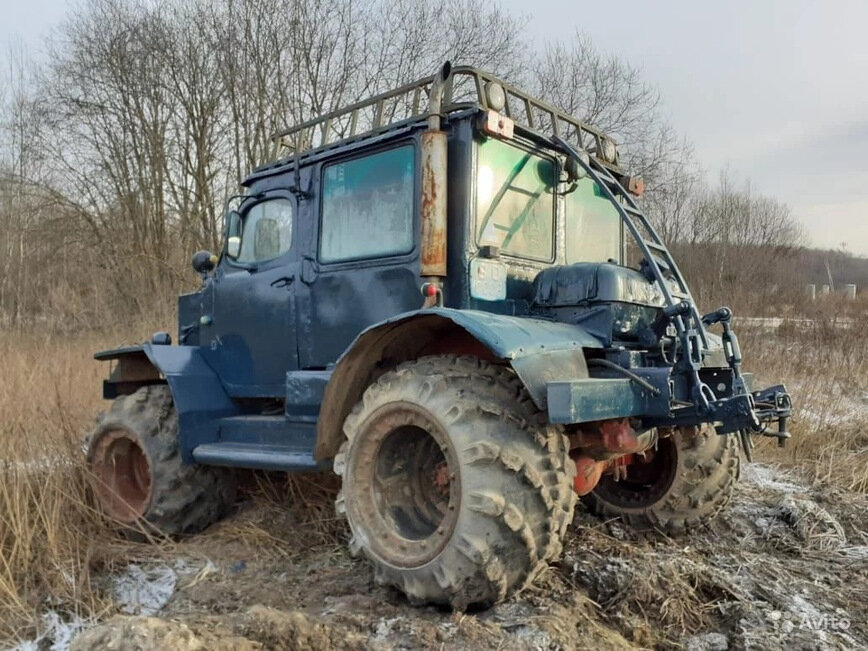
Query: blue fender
point(198, 394)
point(539, 351)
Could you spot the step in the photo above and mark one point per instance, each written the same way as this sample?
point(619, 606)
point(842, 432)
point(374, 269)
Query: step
point(304, 393)
point(277, 430)
point(258, 456)
point(604, 174)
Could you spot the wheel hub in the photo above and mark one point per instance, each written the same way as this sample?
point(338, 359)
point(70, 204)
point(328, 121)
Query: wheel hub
point(440, 479)
point(405, 485)
point(122, 475)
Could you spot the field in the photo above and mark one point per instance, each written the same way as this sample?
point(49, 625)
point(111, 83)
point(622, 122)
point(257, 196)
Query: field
point(789, 561)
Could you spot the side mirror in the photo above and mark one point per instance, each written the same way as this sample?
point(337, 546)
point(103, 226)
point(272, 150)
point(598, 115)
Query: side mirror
point(233, 246)
point(233, 234)
point(204, 261)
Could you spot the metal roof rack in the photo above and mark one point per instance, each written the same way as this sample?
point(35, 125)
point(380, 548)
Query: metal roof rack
point(465, 88)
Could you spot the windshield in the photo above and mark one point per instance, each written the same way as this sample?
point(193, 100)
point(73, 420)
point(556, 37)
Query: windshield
point(515, 200)
point(593, 225)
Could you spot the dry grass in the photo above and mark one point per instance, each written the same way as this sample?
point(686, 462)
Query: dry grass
point(51, 539)
point(825, 366)
point(48, 395)
point(301, 507)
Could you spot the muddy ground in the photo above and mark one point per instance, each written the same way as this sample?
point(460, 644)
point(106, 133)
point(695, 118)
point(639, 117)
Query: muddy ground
point(786, 566)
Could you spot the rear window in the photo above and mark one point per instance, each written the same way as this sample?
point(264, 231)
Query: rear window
point(515, 200)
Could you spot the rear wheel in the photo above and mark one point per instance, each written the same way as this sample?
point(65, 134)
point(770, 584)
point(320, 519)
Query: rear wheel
point(139, 479)
point(687, 481)
point(453, 484)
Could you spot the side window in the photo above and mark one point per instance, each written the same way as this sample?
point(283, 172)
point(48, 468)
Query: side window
point(593, 225)
point(266, 231)
point(367, 206)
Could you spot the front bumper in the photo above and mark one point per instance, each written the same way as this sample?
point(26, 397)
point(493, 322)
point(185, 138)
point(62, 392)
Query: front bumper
point(594, 399)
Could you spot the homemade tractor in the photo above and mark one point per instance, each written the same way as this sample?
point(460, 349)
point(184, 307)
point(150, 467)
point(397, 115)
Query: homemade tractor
point(430, 291)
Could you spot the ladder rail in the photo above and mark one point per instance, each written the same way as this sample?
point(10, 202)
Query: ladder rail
point(656, 243)
point(688, 333)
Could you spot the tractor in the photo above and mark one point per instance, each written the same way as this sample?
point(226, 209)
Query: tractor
point(449, 294)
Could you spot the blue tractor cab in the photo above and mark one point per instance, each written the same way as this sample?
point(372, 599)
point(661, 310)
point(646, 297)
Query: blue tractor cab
point(430, 291)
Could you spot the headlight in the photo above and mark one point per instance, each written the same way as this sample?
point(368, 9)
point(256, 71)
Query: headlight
point(495, 96)
point(608, 151)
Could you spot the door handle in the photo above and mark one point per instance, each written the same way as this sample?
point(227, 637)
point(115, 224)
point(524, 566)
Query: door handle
point(283, 281)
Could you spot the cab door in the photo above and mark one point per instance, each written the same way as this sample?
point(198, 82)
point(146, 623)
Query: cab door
point(366, 266)
point(252, 340)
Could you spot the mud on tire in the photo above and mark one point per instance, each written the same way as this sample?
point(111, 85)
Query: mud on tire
point(688, 483)
point(139, 479)
point(454, 486)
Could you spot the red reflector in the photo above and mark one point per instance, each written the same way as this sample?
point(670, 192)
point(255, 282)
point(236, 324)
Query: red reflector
point(430, 289)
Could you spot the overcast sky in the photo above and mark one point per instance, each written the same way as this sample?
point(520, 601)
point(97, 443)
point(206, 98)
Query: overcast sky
point(774, 90)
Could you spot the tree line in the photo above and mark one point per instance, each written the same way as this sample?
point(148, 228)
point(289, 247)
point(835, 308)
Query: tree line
point(121, 142)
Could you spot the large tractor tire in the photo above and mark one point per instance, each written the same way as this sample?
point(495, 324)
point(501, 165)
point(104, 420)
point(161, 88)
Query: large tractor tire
point(454, 486)
point(687, 482)
point(139, 479)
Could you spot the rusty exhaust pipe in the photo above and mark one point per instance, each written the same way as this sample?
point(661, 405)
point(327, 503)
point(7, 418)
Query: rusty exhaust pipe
point(434, 183)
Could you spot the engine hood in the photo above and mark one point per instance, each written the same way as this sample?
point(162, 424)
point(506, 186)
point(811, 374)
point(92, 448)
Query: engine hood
point(593, 282)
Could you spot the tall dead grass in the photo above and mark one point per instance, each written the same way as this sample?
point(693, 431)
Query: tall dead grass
point(49, 532)
point(52, 539)
point(824, 362)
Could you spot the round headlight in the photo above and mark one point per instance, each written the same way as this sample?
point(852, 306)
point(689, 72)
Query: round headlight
point(495, 96)
point(575, 171)
point(608, 151)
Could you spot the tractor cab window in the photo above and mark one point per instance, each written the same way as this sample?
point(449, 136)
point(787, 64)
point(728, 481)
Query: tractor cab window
point(368, 206)
point(515, 200)
point(265, 231)
point(593, 225)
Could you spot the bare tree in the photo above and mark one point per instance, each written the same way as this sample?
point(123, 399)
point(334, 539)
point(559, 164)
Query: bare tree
point(602, 90)
point(21, 168)
point(119, 154)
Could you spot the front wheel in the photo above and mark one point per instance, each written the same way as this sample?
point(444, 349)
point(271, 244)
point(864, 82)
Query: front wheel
point(453, 484)
point(683, 483)
point(139, 478)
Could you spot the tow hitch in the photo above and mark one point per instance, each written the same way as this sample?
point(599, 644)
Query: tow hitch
point(772, 404)
point(745, 412)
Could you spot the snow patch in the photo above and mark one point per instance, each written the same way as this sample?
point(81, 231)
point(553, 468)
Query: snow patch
point(48, 463)
point(771, 478)
point(707, 642)
point(57, 632)
point(140, 591)
point(534, 638)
